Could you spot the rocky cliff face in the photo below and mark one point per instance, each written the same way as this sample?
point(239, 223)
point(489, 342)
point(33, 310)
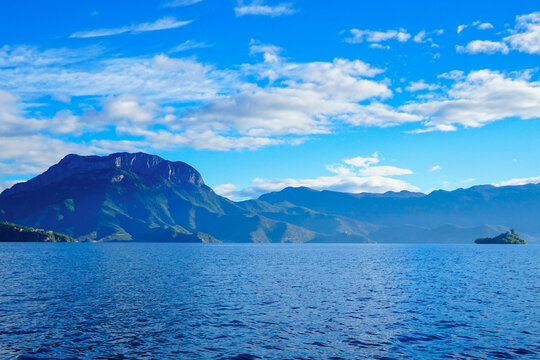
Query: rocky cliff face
point(113, 168)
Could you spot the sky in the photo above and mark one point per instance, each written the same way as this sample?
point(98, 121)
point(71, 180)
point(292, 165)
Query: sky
point(355, 96)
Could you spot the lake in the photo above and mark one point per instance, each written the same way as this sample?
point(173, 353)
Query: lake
point(249, 301)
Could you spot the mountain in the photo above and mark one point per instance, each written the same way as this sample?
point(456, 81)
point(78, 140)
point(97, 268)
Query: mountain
point(441, 216)
point(142, 197)
point(15, 233)
point(137, 197)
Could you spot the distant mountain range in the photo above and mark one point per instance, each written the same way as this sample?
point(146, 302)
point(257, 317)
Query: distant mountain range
point(142, 197)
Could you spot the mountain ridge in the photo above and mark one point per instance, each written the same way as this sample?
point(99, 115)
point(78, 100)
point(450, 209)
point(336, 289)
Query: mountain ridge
point(143, 197)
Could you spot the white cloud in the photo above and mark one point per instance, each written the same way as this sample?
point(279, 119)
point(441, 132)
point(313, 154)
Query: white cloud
point(482, 97)
point(381, 115)
point(270, 52)
point(226, 190)
point(158, 77)
point(371, 36)
point(452, 75)
point(420, 37)
point(520, 181)
point(525, 37)
point(352, 175)
point(363, 162)
point(421, 85)
point(188, 45)
point(177, 3)
point(483, 46)
point(24, 55)
point(476, 24)
point(435, 168)
point(133, 97)
point(379, 46)
point(128, 107)
point(160, 24)
point(303, 98)
point(14, 122)
point(484, 26)
point(258, 7)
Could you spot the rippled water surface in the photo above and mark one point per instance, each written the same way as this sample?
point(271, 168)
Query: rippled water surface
point(192, 301)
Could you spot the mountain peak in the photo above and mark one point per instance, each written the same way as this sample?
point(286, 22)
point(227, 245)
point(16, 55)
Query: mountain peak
point(95, 167)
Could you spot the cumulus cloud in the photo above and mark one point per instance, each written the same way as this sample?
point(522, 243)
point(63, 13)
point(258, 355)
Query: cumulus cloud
point(258, 7)
point(301, 99)
point(526, 34)
point(483, 46)
point(128, 107)
point(142, 99)
point(372, 36)
point(481, 97)
point(363, 162)
point(164, 23)
point(353, 175)
point(524, 37)
point(435, 168)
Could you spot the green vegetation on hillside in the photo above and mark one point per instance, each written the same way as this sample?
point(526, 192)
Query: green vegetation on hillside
point(509, 237)
point(15, 233)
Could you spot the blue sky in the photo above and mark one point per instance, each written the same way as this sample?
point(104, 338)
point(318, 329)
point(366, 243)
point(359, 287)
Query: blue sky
point(259, 95)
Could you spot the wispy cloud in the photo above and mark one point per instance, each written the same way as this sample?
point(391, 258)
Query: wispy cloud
point(160, 24)
point(177, 3)
point(188, 45)
point(476, 24)
point(158, 77)
point(258, 7)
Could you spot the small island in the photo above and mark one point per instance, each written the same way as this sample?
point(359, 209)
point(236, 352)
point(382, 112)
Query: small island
point(509, 237)
point(16, 233)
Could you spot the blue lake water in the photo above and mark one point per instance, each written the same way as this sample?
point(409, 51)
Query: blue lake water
point(193, 301)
